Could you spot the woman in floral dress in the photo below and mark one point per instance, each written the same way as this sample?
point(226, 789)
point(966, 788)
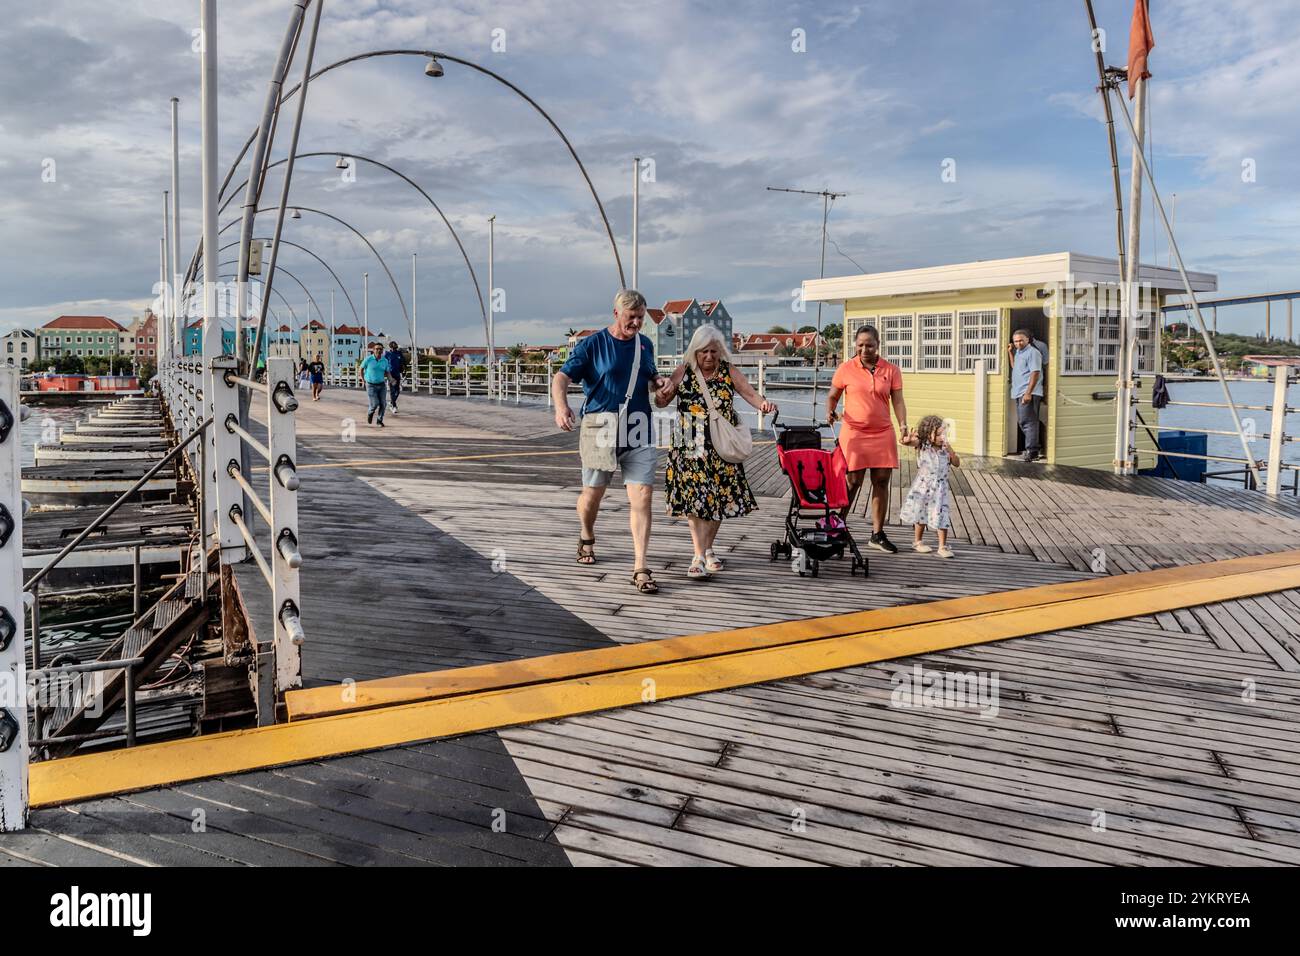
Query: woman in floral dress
point(701, 485)
point(926, 504)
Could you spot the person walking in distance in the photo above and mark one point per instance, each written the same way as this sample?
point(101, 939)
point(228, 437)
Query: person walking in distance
point(616, 368)
point(396, 363)
point(317, 371)
point(375, 372)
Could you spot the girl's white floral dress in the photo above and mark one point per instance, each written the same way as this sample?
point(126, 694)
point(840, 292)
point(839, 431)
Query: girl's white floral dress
point(927, 500)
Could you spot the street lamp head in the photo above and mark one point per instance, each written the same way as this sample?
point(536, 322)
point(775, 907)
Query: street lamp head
point(433, 68)
point(297, 214)
point(341, 163)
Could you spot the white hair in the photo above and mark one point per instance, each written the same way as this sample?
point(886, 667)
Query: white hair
point(629, 299)
point(705, 336)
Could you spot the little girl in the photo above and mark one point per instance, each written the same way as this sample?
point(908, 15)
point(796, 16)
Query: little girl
point(927, 499)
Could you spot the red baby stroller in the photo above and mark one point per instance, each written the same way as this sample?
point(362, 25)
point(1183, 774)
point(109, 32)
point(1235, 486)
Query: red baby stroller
point(818, 490)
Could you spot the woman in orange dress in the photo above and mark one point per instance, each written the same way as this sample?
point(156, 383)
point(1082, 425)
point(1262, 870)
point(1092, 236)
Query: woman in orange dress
point(870, 386)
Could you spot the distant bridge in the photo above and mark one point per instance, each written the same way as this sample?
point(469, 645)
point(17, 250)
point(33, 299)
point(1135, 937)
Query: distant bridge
point(1268, 298)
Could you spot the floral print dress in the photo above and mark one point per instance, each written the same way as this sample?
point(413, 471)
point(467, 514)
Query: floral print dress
point(700, 483)
point(927, 500)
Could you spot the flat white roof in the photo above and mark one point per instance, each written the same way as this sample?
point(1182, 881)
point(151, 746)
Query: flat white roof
point(1062, 267)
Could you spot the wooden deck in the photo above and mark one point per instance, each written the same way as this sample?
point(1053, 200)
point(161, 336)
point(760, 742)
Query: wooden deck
point(446, 539)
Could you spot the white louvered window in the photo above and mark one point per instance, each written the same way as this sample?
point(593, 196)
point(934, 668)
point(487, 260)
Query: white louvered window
point(1108, 342)
point(979, 339)
point(1146, 336)
point(897, 340)
point(1078, 340)
point(936, 341)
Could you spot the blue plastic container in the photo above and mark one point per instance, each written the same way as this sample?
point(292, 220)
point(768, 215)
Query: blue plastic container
point(1183, 469)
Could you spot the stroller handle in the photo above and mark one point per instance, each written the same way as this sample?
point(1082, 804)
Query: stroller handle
point(776, 420)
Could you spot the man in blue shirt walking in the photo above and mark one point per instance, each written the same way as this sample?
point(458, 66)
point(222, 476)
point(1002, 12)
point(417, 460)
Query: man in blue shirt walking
point(602, 364)
point(375, 372)
point(1027, 389)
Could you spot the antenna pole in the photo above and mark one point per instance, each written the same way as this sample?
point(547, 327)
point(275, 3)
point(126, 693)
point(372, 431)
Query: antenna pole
point(827, 198)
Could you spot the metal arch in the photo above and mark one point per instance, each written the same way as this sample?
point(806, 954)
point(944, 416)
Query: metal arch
point(473, 66)
point(359, 235)
point(231, 275)
point(311, 298)
point(286, 242)
point(292, 313)
point(478, 291)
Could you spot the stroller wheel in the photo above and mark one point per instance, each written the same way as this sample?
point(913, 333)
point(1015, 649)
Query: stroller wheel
point(812, 567)
point(775, 550)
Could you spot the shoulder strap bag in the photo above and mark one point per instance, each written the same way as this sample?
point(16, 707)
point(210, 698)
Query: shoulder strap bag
point(733, 443)
point(598, 435)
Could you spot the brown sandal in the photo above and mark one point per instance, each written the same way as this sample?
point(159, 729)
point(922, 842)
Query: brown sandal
point(586, 551)
point(644, 581)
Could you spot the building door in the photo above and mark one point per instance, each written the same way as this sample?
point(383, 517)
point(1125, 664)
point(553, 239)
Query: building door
point(1036, 322)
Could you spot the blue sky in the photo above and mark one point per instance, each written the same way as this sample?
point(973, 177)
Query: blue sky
point(883, 95)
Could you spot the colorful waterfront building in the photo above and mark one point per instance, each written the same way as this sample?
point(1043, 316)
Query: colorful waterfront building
point(192, 342)
point(139, 340)
point(314, 340)
point(81, 335)
point(345, 347)
point(21, 348)
point(947, 329)
point(283, 342)
point(670, 328)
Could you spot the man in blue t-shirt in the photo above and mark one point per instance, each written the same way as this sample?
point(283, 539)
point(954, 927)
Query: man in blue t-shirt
point(375, 372)
point(1027, 388)
point(602, 364)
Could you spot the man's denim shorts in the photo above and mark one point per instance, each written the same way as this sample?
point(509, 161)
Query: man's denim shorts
point(637, 465)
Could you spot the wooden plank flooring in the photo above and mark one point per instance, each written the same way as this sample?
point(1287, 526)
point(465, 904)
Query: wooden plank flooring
point(1164, 740)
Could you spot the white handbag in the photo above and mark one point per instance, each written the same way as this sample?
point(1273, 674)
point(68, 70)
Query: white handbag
point(599, 433)
point(733, 443)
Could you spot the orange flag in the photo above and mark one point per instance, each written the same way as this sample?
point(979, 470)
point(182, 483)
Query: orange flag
point(1140, 43)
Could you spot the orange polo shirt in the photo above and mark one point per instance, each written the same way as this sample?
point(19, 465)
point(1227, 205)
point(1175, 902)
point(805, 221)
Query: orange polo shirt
point(866, 396)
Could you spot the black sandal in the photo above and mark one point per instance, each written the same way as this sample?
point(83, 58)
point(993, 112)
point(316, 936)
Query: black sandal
point(644, 581)
point(586, 551)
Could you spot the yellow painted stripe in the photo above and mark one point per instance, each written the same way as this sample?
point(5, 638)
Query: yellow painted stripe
point(340, 698)
point(96, 775)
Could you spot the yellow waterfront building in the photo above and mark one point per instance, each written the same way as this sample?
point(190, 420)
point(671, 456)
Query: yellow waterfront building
point(948, 327)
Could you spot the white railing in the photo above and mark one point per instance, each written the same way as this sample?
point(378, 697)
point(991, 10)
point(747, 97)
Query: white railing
point(14, 750)
point(279, 660)
point(226, 464)
point(519, 382)
point(1273, 465)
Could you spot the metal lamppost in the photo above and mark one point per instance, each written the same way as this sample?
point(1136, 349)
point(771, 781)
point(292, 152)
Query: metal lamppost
point(827, 198)
point(492, 307)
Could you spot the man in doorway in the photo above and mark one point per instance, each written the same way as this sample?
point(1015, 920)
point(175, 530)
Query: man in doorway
point(396, 363)
point(375, 372)
point(603, 364)
point(317, 372)
point(1027, 389)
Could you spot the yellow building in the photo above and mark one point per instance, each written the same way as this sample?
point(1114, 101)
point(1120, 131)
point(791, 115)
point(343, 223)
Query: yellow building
point(315, 340)
point(948, 327)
